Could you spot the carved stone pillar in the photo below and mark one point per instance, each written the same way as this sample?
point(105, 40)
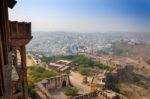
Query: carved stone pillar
point(24, 68)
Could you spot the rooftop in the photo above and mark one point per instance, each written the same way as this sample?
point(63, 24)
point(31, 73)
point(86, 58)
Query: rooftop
point(64, 68)
point(64, 61)
point(55, 65)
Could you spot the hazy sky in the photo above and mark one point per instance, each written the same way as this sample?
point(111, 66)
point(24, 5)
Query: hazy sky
point(84, 15)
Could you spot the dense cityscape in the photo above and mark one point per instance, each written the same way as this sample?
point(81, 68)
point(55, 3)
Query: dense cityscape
point(67, 43)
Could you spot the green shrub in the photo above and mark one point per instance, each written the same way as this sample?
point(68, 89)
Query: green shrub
point(31, 90)
point(83, 63)
point(81, 60)
point(136, 79)
point(118, 48)
point(113, 87)
point(38, 73)
point(102, 66)
point(55, 58)
point(84, 71)
point(45, 59)
point(71, 91)
point(32, 93)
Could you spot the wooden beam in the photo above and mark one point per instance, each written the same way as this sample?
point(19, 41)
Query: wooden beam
point(4, 24)
point(4, 31)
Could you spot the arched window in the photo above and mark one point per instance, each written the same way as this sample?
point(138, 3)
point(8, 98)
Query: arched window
point(64, 84)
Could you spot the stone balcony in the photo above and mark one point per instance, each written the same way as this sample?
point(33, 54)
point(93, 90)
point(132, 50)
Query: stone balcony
point(20, 33)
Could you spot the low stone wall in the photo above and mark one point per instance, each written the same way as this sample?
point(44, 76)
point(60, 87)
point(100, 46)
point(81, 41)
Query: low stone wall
point(56, 82)
point(44, 91)
point(86, 96)
point(52, 83)
point(102, 95)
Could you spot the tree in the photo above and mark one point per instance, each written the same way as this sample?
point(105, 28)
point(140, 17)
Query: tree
point(118, 47)
point(84, 71)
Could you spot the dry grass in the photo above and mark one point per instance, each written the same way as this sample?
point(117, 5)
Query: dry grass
point(140, 50)
point(30, 61)
point(133, 91)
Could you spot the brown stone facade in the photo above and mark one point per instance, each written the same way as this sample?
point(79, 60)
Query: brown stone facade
point(126, 73)
point(13, 36)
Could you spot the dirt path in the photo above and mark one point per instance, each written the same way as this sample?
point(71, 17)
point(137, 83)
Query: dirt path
point(58, 93)
point(76, 80)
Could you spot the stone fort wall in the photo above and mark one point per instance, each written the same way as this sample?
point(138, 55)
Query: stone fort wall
point(53, 83)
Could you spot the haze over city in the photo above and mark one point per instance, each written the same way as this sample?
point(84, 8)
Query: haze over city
point(84, 15)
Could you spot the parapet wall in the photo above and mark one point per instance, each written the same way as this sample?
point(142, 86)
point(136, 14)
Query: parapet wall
point(52, 83)
point(103, 95)
point(56, 82)
point(86, 96)
point(41, 88)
